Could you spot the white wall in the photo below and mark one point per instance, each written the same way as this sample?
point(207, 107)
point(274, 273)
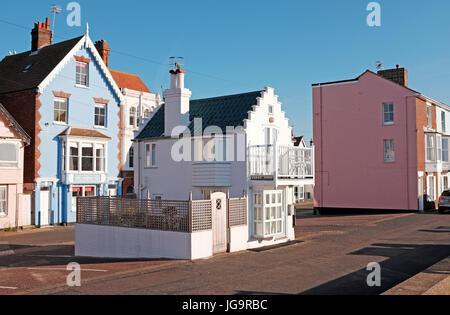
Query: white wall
point(119, 242)
point(141, 101)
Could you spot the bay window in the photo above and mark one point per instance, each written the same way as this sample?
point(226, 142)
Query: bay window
point(100, 158)
point(74, 158)
point(269, 213)
point(439, 147)
point(9, 155)
point(85, 157)
point(430, 148)
point(445, 150)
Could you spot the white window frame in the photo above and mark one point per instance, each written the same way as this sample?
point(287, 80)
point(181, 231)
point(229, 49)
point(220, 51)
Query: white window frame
point(132, 122)
point(438, 148)
point(299, 193)
point(429, 117)
point(445, 149)
point(80, 76)
point(11, 164)
point(60, 100)
point(79, 144)
point(389, 145)
point(273, 214)
point(105, 115)
point(430, 147)
point(4, 201)
point(388, 113)
point(431, 193)
point(151, 155)
point(443, 122)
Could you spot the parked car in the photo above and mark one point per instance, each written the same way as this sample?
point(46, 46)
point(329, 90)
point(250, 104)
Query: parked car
point(428, 203)
point(444, 201)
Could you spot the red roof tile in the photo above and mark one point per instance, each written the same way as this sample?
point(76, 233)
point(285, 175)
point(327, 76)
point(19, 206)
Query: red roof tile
point(129, 81)
point(78, 132)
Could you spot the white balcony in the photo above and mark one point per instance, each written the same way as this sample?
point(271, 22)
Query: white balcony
point(211, 174)
point(270, 162)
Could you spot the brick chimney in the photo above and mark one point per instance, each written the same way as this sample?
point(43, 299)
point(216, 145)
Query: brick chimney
point(398, 75)
point(104, 50)
point(41, 35)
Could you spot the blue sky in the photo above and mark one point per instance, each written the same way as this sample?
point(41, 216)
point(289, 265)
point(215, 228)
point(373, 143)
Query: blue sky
point(237, 46)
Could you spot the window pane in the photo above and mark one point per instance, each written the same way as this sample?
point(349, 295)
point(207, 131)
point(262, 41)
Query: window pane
point(8, 154)
point(153, 154)
point(267, 228)
point(3, 200)
point(87, 161)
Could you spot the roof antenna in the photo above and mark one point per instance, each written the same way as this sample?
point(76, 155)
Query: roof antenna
point(176, 62)
point(56, 9)
point(379, 65)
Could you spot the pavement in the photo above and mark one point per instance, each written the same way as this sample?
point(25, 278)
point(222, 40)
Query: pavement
point(435, 280)
point(330, 259)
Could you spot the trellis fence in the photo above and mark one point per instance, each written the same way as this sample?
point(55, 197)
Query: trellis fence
point(162, 215)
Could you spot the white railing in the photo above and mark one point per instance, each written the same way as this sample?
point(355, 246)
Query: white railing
point(281, 161)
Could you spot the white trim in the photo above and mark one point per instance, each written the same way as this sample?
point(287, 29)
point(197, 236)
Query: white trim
point(84, 41)
point(334, 84)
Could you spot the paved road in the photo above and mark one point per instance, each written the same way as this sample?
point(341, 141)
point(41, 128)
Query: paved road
point(331, 260)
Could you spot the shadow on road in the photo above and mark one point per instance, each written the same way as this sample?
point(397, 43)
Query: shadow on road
point(404, 261)
point(55, 255)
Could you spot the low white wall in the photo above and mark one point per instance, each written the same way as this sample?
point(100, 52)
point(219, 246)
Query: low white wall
point(238, 238)
point(119, 242)
point(201, 245)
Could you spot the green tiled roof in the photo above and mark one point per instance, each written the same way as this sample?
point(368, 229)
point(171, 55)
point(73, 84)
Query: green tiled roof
point(220, 111)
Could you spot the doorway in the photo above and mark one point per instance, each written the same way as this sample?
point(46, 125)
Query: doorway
point(219, 222)
point(44, 206)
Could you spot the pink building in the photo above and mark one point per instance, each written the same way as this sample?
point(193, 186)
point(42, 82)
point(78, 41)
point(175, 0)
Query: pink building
point(14, 206)
point(379, 144)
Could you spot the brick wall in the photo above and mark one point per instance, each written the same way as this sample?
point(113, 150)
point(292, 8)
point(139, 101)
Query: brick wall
point(22, 106)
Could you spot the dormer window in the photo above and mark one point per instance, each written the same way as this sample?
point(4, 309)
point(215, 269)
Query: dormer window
point(82, 73)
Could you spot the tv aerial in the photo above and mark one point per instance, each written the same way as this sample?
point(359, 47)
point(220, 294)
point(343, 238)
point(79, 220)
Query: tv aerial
point(379, 65)
point(55, 9)
point(176, 62)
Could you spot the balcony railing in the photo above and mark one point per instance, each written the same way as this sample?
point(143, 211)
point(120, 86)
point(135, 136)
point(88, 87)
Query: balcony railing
point(273, 161)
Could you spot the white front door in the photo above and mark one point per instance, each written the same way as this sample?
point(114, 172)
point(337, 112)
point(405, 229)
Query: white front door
point(45, 206)
point(219, 222)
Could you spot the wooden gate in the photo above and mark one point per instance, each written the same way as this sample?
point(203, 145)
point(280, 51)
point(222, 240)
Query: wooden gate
point(219, 222)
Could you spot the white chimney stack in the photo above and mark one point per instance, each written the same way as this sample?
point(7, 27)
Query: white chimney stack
point(177, 98)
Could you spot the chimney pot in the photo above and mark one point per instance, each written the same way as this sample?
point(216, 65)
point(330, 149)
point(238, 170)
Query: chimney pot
point(41, 35)
point(104, 50)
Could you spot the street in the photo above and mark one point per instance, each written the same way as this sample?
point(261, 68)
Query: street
point(330, 258)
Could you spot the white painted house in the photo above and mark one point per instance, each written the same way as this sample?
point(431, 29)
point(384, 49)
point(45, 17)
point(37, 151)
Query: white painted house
point(240, 145)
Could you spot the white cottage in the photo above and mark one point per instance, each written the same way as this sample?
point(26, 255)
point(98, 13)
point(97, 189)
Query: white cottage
point(239, 145)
